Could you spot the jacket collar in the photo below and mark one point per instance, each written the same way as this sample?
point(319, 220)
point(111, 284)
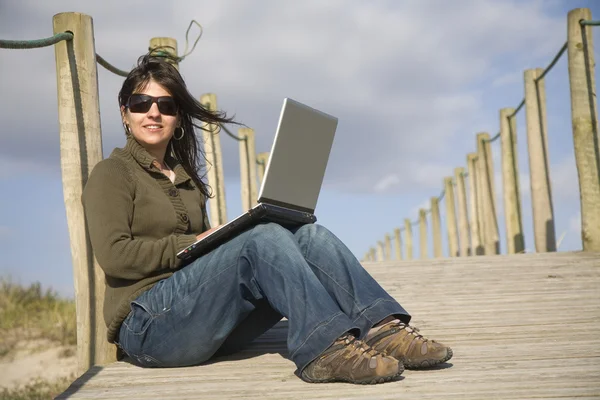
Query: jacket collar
point(146, 160)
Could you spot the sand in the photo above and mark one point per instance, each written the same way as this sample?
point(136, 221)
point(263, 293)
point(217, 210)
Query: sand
point(37, 359)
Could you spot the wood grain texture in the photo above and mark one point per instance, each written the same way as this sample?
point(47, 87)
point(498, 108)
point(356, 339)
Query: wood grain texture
point(491, 238)
point(476, 205)
point(409, 238)
point(464, 237)
point(584, 114)
point(80, 151)
point(436, 227)
point(451, 228)
point(248, 169)
point(521, 326)
point(515, 242)
point(214, 161)
point(544, 232)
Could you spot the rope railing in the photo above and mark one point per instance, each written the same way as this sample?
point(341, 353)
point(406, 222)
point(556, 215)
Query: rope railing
point(161, 53)
point(52, 40)
point(441, 196)
point(521, 104)
point(35, 43)
point(552, 63)
point(110, 67)
point(185, 51)
point(537, 79)
point(493, 139)
point(584, 22)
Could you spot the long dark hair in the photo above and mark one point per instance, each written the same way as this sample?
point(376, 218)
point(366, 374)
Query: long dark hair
point(186, 151)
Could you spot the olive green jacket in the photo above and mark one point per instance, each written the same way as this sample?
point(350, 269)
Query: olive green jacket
point(138, 220)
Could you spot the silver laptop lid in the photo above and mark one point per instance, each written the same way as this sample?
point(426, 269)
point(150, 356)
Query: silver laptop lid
point(298, 158)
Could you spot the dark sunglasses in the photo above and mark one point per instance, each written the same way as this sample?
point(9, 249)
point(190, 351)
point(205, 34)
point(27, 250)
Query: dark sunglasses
point(141, 103)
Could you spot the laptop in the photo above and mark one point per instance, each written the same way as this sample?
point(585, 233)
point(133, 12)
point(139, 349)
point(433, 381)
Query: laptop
point(293, 177)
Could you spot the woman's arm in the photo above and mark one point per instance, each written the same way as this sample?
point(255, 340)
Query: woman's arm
point(108, 204)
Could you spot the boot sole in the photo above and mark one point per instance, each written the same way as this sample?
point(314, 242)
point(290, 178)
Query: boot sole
point(428, 363)
point(371, 381)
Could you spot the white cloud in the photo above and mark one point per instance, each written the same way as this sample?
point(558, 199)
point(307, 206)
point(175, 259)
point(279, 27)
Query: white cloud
point(386, 182)
point(401, 76)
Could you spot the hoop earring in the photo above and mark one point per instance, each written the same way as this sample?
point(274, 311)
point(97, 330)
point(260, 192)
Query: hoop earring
point(182, 133)
point(127, 130)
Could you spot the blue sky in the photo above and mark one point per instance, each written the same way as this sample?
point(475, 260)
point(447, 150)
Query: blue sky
point(411, 82)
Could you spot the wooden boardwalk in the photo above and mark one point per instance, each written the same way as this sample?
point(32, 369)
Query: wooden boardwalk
point(521, 327)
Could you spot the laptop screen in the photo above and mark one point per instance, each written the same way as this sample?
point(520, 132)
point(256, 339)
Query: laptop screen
point(298, 158)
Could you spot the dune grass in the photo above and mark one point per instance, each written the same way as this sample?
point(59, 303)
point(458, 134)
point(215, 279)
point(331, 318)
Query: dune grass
point(30, 313)
point(37, 389)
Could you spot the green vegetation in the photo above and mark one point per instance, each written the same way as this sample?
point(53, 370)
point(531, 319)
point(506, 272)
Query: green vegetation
point(28, 313)
point(36, 390)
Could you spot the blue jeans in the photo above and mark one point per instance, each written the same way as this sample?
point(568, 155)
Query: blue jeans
point(225, 299)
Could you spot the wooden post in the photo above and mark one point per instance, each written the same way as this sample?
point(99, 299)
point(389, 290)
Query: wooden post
point(463, 214)
point(436, 227)
point(388, 247)
point(423, 233)
point(398, 243)
point(584, 114)
point(476, 207)
point(539, 164)
point(451, 218)
point(247, 168)
point(261, 165)
point(480, 185)
point(214, 157)
point(166, 45)
point(380, 253)
point(80, 151)
point(515, 241)
point(409, 239)
point(486, 168)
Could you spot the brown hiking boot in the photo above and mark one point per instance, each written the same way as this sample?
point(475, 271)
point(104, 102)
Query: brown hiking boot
point(404, 342)
point(351, 360)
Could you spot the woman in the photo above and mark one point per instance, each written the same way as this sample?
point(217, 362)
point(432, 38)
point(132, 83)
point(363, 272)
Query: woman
point(146, 202)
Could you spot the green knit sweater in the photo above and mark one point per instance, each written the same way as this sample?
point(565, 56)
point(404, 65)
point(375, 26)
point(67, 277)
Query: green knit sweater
point(138, 220)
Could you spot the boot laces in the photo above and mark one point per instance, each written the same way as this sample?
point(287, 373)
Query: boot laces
point(411, 330)
point(359, 345)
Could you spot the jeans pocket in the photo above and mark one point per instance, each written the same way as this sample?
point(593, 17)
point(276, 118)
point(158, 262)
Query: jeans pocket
point(139, 319)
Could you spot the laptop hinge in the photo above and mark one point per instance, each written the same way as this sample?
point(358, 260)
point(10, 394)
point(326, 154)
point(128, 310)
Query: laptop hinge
point(285, 205)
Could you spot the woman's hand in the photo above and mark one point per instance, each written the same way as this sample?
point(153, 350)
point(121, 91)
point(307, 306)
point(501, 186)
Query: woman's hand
point(205, 233)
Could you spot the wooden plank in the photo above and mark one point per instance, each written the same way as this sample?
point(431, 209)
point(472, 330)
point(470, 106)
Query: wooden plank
point(515, 332)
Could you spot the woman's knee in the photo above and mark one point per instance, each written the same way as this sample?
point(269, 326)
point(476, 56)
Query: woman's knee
point(310, 232)
point(270, 232)
point(271, 240)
